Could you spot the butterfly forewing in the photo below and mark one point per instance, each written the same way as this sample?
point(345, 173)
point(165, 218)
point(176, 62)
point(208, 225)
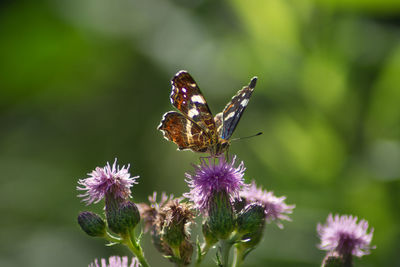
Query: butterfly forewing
point(183, 132)
point(188, 99)
point(235, 108)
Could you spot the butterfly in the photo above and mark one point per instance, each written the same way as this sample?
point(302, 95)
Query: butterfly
point(194, 127)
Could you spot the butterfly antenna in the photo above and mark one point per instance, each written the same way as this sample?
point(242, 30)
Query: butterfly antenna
point(240, 138)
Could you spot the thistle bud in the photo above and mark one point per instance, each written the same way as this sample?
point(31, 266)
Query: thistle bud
point(129, 214)
point(174, 234)
point(174, 231)
point(250, 222)
point(251, 218)
point(221, 217)
point(92, 224)
point(122, 218)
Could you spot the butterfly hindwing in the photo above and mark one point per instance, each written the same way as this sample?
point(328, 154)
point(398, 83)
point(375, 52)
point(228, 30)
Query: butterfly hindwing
point(235, 108)
point(183, 132)
point(188, 99)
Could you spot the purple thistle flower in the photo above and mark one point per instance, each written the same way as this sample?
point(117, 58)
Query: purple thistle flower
point(345, 236)
point(107, 180)
point(115, 261)
point(275, 207)
point(210, 178)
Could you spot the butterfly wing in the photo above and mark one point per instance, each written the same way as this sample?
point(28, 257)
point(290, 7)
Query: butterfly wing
point(188, 99)
point(218, 122)
point(183, 132)
point(234, 110)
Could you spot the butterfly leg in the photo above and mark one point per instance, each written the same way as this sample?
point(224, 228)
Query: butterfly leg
point(227, 155)
point(206, 158)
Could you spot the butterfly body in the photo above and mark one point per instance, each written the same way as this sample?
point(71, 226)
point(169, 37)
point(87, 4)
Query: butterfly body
point(194, 127)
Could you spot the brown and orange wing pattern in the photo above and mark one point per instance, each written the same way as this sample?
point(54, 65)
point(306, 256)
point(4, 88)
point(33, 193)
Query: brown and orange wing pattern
point(183, 132)
point(188, 99)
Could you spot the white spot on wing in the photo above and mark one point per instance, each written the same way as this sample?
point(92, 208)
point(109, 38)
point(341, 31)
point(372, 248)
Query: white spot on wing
point(230, 115)
point(244, 102)
point(198, 99)
point(184, 89)
point(193, 112)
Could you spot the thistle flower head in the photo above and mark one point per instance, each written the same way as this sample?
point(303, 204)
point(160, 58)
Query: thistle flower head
point(175, 234)
point(342, 234)
point(111, 180)
point(169, 222)
point(115, 261)
point(210, 178)
point(275, 207)
point(178, 214)
point(148, 213)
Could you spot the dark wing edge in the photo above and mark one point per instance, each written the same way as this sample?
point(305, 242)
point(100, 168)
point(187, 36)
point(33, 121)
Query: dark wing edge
point(234, 109)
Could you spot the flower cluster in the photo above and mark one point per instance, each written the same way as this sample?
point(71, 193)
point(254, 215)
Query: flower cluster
point(234, 215)
point(216, 187)
point(113, 184)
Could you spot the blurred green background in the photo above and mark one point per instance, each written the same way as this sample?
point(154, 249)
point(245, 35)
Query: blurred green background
point(83, 82)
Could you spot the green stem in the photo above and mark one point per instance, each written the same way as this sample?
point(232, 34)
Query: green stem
point(130, 242)
point(225, 246)
point(201, 254)
point(112, 238)
point(238, 256)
